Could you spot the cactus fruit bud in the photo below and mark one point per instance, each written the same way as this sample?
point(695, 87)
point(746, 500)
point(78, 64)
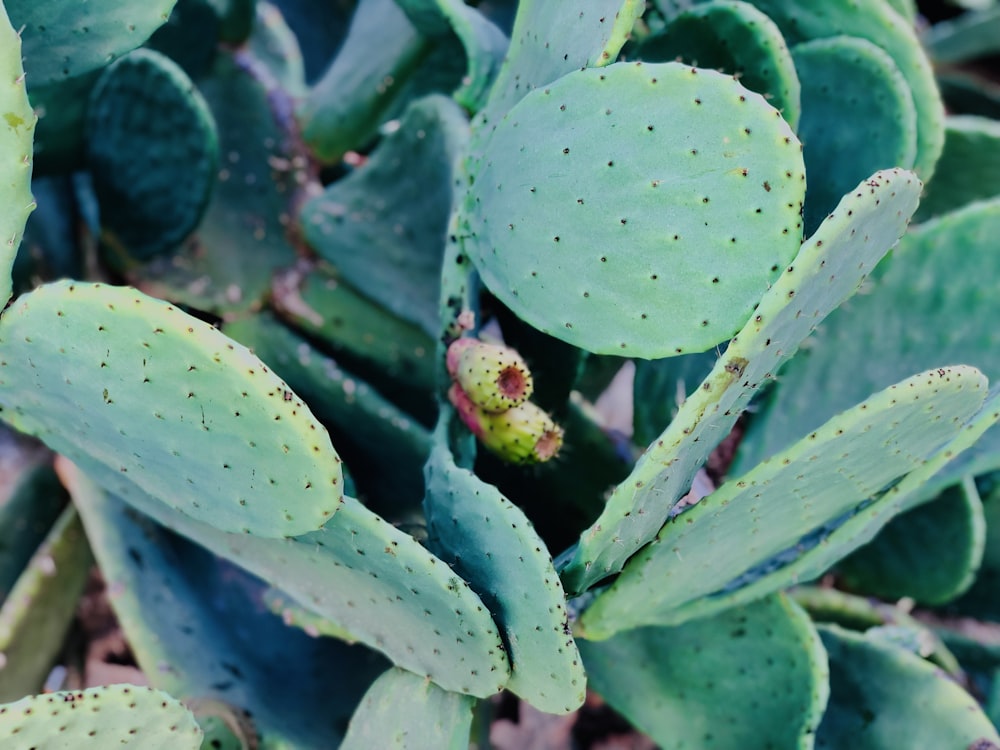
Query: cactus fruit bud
point(523, 434)
point(494, 377)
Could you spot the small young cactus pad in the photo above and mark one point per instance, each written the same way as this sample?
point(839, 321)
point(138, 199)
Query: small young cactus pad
point(119, 716)
point(631, 222)
point(164, 401)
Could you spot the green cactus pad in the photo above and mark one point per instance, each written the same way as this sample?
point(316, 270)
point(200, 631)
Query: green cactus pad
point(345, 107)
point(16, 133)
point(164, 401)
point(385, 445)
point(551, 39)
point(965, 37)
point(928, 306)
point(152, 152)
point(120, 716)
point(227, 265)
point(484, 44)
point(368, 577)
point(857, 117)
point(816, 553)
point(277, 47)
point(883, 697)
point(930, 554)
point(751, 519)
point(386, 235)
point(828, 269)
point(65, 39)
point(492, 545)
point(980, 600)
point(594, 219)
point(402, 711)
point(969, 169)
point(752, 676)
point(736, 38)
point(877, 22)
point(35, 617)
point(196, 627)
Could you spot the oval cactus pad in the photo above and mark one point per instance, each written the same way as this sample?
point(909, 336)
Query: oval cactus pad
point(637, 209)
point(124, 383)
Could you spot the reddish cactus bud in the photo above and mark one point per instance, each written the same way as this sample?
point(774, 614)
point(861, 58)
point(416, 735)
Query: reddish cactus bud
point(494, 377)
point(523, 434)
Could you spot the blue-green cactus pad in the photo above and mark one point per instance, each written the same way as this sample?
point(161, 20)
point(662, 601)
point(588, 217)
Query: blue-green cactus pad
point(876, 21)
point(830, 266)
point(241, 241)
point(732, 37)
point(491, 543)
point(402, 711)
point(551, 39)
point(883, 697)
point(484, 44)
point(857, 117)
point(381, 51)
point(930, 554)
point(601, 222)
point(64, 39)
point(196, 627)
point(16, 131)
point(753, 518)
point(386, 234)
point(934, 301)
point(969, 168)
point(366, 576)
point(753, 676)
point(152, 151)
point(163, 401)
point(119, 716)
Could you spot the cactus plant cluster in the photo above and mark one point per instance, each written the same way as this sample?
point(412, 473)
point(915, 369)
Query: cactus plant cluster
point(313, 311)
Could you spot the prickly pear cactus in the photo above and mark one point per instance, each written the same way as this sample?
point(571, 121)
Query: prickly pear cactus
point(787, 502)
point(162, 400)
point(116, 716)
point(612, 232)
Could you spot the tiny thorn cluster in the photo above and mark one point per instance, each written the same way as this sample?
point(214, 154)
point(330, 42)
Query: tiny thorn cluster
point(491, 388)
